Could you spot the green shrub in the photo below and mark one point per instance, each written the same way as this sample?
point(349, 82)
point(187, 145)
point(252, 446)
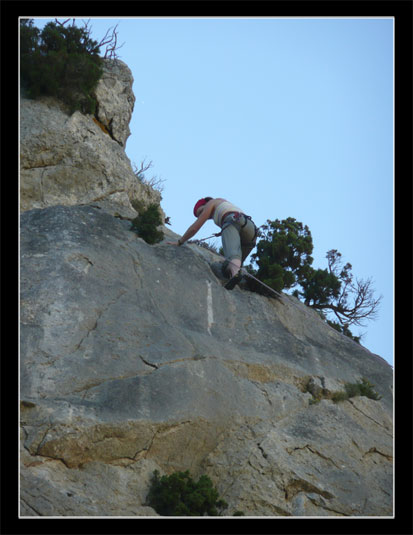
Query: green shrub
point(60, 61)
point(179, 495)
point(146, 224)
point(365, 388)
point(351, 390)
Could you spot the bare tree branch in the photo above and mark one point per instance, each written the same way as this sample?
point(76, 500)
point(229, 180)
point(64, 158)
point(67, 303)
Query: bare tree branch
point(112, 48)
point(109, 39)
point(140, 171)
point(154, 182)
point(356, 301)
point(63, 23)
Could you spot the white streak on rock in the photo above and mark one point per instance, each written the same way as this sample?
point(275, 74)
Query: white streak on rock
point(209, 306)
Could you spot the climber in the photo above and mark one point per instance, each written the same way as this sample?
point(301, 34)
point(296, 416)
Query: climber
point(239, 233)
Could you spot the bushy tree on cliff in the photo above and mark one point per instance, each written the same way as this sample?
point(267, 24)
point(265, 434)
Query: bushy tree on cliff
point(284, 261)
point(283, 253)
point(62, 61)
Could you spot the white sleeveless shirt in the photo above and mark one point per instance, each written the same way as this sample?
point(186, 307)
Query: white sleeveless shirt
point(222, 209)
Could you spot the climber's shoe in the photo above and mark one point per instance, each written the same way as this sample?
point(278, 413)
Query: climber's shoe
point(236, 279)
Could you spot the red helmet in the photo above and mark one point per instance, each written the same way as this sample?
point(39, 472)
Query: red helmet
point(200, 203)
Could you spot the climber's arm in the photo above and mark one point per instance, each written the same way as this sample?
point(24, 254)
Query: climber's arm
point(193, 229)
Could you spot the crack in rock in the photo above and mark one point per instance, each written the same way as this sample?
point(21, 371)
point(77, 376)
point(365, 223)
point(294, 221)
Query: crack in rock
point(375, 450)
point(370, 418)
point(324, 506)
point(300, 485)
point(148, 363)
point(94, 327)
point(315, 452)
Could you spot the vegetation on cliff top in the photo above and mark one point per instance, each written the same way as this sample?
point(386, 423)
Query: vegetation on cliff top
point(63, 61)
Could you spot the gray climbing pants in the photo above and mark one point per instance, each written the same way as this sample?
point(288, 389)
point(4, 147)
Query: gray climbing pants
point(238, 237)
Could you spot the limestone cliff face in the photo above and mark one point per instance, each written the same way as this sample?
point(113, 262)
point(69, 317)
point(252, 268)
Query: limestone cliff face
point(134, 358)
point(79, 159)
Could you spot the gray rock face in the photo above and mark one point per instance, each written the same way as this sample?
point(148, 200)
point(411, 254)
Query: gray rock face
point(134, 357)
point(79, 159)
point(115, 99)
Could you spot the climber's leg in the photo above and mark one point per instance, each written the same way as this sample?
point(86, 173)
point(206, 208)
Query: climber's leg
point(231, 243)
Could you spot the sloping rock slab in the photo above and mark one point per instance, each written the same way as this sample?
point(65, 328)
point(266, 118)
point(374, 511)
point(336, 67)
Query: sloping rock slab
point(134, 354)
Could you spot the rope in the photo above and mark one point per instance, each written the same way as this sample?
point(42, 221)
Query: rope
point(245, 272)
point(213, 236)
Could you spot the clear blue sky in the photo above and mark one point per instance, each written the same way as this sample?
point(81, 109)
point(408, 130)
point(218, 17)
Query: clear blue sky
point(284, 117)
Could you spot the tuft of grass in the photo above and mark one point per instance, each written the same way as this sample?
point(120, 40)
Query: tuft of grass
point(340, 396)
point(351, 390)
point(365, 388)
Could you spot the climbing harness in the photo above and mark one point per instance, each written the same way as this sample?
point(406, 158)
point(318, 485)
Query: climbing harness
point(235, 219)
